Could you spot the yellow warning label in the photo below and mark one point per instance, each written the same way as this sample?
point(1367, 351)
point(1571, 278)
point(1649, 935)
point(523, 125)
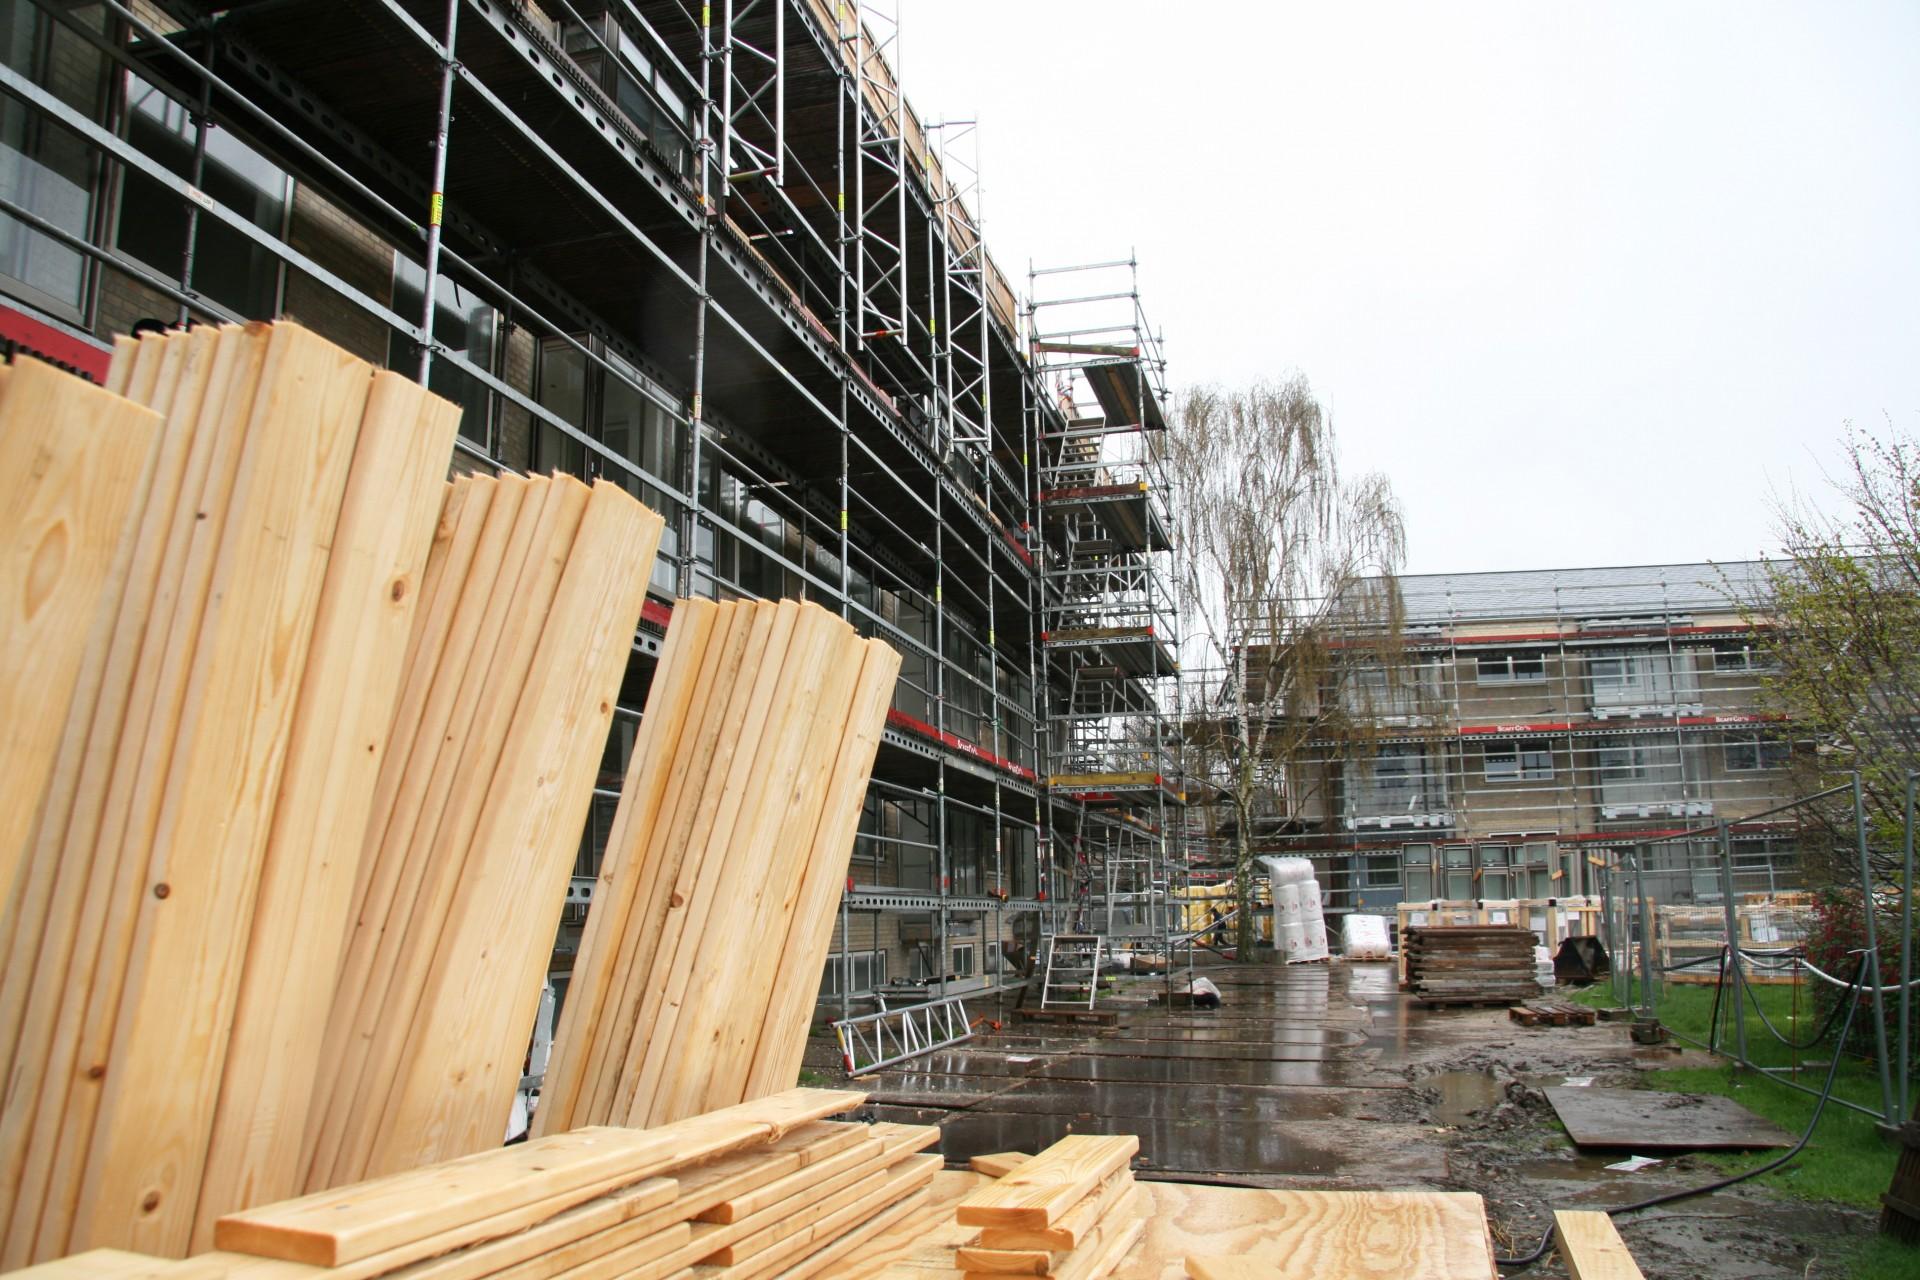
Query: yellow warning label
point(434, 209)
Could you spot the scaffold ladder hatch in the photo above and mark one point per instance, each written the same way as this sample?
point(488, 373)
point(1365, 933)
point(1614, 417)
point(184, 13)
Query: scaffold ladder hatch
point(1073, 971)
point(878, 1040)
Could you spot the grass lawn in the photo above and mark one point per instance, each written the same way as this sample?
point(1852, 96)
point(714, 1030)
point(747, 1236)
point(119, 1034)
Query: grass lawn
point(1847, 1161)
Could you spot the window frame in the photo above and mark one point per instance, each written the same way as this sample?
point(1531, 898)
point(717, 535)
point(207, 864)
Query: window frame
point(1521, 772)
point(1761, 744)
point(1511, 660)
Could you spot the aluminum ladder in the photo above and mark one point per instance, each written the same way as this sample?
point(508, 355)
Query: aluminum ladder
point(893, 1036)
point(1073, 971)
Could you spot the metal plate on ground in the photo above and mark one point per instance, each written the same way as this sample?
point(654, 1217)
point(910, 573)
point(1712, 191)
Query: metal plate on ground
point(1647, 1120)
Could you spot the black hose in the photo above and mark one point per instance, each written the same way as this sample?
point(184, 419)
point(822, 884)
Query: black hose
point(1851, 997)
point(1820, 1104)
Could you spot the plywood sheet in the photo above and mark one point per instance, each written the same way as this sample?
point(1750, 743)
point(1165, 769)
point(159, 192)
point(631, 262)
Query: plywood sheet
point(1648, 1120)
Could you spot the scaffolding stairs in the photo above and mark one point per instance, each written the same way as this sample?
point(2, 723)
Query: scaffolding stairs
point(1072, 979)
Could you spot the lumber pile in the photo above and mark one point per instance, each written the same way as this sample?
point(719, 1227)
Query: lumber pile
point(1072, 1211)
point(701, 959)
point(1471, 964)
point(298, 612)
point(770, 1187)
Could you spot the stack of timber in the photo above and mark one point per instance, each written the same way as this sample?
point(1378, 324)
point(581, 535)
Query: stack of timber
point(768, 1188)
point(1073, 1211)
point(225, 764)
point(526, 620)
point(1473, 964)
point(698, 970)
point(235, 676)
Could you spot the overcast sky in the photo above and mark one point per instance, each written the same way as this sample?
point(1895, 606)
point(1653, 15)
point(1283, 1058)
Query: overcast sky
point(1589, 282)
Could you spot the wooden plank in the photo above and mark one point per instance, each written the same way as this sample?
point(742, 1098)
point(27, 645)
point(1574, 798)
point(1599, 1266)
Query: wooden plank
point(332, 1228)
point(1042, 1191)
point(1114, 1217)
point(1204, 1267)
point(999, 1164)
point(783, 1034)
point(860, 1158)
point(1073, 1229)
point(94, 1264)
point(44, 929)
point(425, 726)
point(116, 814)
point(427, 841)
point(1646, 1119)
point(854, 1237)
point(757, 1256)
point(1591, 1246)
point(156, 1108)
point(312, 856)
point(579, 1263)
point(73, 462)
point(739, 630)
point(617, 888)
point(462, 1061)
point(1102, 1260)
point(764, 873)
point(589, 1230)
point(744, 751)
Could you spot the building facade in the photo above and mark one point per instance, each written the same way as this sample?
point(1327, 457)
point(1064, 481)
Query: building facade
point(708, 252)
point(1540, 723)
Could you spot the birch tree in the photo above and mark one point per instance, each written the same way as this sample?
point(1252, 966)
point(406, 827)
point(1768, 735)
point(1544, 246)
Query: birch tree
point(1285, 573)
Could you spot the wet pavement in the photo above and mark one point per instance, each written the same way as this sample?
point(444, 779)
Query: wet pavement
point(1327, 1076)
point(1270, 1087)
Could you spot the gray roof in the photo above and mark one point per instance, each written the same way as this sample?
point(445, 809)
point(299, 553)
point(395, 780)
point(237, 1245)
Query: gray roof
point(1629, 591)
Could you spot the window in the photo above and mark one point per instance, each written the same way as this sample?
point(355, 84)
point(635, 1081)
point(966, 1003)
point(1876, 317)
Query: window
point(1755, 752)
point(1735, 657)
point(869, 971)
point(468, 325)
point(1419, 872)
point(1525, 666)
point(45, 168)
point(1383, 870)
point(963, 960)
point(1512, 760)
point(1622, 762)
point(229, 268)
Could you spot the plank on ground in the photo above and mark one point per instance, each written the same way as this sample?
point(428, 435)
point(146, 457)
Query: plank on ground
point(169, 1046)
point(1216, 1267)
point(998, 1164)
point(1119, 1214)
point(332, 1228)
point(1591, 1247)
point(312, 854)
point(854, 1237)
point(1073, 1229)
point(1046, 1188)
point(73, 463)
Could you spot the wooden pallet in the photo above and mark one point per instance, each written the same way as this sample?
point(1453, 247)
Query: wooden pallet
point(1552, 1013)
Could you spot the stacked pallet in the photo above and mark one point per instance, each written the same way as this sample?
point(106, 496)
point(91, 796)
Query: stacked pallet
point(1552, 1013)
point(261, 601)
point(1073, 1211)
point(1471, 964)
point(700, 963)
point(767, 1188)
point(527, 610)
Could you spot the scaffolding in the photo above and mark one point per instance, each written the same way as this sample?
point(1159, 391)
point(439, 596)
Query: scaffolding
point(707, 252)
point(1108, 634)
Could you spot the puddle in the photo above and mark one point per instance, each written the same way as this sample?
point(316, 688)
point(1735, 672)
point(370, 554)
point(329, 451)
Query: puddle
point(1463, 1095)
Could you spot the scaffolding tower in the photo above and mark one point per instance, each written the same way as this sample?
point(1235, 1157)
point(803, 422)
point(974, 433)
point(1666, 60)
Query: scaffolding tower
point(1109, 638)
